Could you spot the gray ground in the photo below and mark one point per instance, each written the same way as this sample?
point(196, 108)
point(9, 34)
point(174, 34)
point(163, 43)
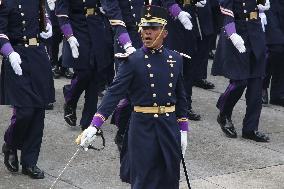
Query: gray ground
point(213, 161)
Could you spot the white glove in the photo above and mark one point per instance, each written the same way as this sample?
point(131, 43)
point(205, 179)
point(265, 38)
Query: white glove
point(263, 20)
point(238, 42)
point(51, 4)
point(15, 61)
point(74, 46)
point(184, 18)
point(183, 141)
point(264, 7)
point(129, 49)
point(201, 4)
point(48, 32)
point(88, 136)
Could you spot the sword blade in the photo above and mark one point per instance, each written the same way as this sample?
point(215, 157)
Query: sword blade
point(198, 26)
point(70, 160)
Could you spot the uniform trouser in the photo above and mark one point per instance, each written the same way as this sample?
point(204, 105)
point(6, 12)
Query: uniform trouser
point(276, 64)
point(53, 46)
point(201, 59)
point(25, 133)
point(188, 79)
point(83, 80)
point(233, 93)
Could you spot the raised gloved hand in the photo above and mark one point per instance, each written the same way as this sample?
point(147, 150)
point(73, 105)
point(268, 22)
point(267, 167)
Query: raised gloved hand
point(51, 4)
point(183, 140)
point(201, 4)
point(263, 20)
point(184, 18)
point(129, 49)
point(74, 46)
point(48, 32)
point(15, 61)
point(264, 7)
point(88, 136)
point(238, 42)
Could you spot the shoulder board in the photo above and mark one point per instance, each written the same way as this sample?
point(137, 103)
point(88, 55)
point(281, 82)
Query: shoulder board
point(182, 54)
point(121, 55)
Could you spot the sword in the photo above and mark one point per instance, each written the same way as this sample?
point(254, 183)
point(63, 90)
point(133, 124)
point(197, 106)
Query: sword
point(198, 25)
point(185, 171)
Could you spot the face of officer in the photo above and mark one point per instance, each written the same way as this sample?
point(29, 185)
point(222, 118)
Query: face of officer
point(153, 36)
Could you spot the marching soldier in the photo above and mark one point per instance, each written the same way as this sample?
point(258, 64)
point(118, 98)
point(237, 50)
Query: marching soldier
point(275, 45)
point(26, 81)
point(152, 76)
point(240, 57)
point(87, 49)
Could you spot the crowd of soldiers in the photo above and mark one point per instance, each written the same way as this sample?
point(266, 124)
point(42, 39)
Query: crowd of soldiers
point(102, 39)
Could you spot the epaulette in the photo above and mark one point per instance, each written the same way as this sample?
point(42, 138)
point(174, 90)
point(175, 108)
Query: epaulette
point(121, 55)
point(182, 54)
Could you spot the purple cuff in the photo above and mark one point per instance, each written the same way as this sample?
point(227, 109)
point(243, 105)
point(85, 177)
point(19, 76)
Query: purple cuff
point(7, 49)
point(124, 38)
point(230, 28)
point(67, 30)
point(183, 125)
point(97, 120)
point(174, 10)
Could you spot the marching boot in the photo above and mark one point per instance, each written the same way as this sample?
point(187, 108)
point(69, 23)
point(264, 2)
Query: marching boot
point(33, 172)
point(227, 126)
point(256, 136)
point(193, 115)
point(204, 84)
point(70, 115)
point(10, 158)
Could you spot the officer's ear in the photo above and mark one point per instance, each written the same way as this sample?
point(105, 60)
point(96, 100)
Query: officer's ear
point(165, 33)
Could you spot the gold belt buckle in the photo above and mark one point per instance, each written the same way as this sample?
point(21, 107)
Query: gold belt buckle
point(90, 11)
point(161, 109)
point(253, 15)
point(186, 2)
point(33, 41)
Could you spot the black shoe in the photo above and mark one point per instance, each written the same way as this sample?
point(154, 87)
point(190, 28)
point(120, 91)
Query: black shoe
point(256, 136)
point(49, 106)
point(204, 84)
point(193, 116)
point(68, 74)
point(10, 158)
point(70, 115)
point(277, 101)
point(211, 55)
point(33, 171)
point(264, 96)
point(227, 126)
point(56, 72)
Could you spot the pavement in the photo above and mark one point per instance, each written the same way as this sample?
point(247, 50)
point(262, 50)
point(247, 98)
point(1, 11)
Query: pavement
point(213, 160)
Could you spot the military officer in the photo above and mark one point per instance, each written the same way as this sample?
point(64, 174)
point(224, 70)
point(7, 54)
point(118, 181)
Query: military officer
point(26, 81)
point(87, 49)
point(124, 17)
point(152, 76)
point(275, 47)
point(240, 57)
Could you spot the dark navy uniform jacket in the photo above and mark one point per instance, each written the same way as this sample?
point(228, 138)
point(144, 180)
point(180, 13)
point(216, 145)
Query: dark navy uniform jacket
point(93, 33)
point(19, 22)
point(228, 61)
point(275, 23)
point(151, 78)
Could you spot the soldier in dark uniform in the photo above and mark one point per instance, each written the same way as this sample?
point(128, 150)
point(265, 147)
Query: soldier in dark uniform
point(87, 49)
point(275, 47)
point(240, 57)
point(53, 45)
point(124, 17)
point(152, 76)
point(26, 81)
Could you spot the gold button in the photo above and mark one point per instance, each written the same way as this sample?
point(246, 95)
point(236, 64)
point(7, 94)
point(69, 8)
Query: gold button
point(167, 114)
point(149, 65)
point(24, 22)
point(20, 6)
point(152, 85)
point(133, 15)
point(156, 115)
point(22, 14)
point(25, 37)
point(171, 65)
point(155, 104)
point(131, 7)
point(170, 84)
point(172, 75)
point(160, 50)
point(244, 4)
point(247, 19)
point(146, 56)
point(170, 94)
point(168, 104)
point(151, 75)
point(170, 56)
point(245, 11)
point(154, 95)
point(26, 45)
